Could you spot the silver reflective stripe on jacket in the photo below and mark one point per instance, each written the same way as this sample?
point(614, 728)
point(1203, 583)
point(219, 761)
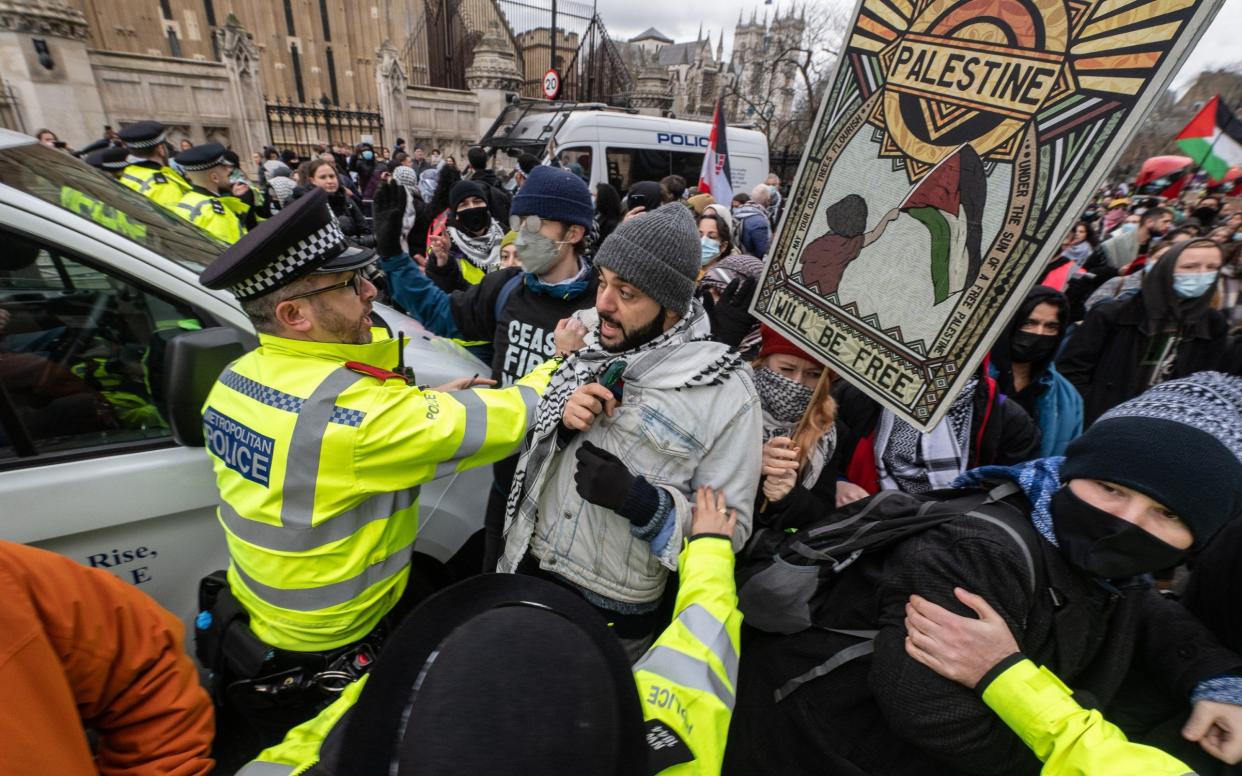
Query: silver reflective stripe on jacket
point(686, 671)
point(302, 539)
point(257, 768)
point(310, 599)
point(297, 531)
point(714, 635)
point(306, 448)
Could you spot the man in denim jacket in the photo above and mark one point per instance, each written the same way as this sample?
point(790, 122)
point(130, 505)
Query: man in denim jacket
point(647, 412)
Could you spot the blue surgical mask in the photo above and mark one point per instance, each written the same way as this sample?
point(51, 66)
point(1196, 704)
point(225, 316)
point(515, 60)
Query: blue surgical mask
point(709, 249)
point(1192, 285)
point(1127, 228)
point(368, 155)
point(1237, 236)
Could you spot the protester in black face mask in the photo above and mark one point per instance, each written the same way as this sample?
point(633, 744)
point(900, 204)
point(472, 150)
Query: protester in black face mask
point(1151, 481)
point(1022, 364)
point(469, 246)
point(1206, 212)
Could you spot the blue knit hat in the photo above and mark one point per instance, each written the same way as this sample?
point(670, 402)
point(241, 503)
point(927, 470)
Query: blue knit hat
point(555, 194)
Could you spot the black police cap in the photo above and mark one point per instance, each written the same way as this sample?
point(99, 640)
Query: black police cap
point(202, 157)
point(143, 134)
point(302, 238)
point(113, 158)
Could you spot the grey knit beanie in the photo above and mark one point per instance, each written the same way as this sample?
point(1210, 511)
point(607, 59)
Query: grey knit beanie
point(658, 252)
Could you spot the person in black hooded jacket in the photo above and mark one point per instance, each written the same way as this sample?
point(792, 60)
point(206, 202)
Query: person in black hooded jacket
point(1167, 330)
point(1021, 362)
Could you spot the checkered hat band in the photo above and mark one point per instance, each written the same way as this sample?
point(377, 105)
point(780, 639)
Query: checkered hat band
point(150, 143)
point(203, 165)
point(121, 165)
point(326, 242)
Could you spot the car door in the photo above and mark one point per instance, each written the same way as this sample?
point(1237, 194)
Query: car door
point(88, 468)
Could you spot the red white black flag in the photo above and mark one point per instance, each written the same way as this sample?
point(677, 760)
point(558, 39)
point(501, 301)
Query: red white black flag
point(714, 177)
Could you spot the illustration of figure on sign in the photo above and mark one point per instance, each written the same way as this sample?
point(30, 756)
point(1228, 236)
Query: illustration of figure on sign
point(949, 201)
point(825, 258)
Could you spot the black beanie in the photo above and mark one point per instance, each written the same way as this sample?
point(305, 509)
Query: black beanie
point(463, 189)
point(1180, 444)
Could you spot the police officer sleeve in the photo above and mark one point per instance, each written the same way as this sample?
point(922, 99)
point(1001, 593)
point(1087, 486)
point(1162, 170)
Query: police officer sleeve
point(1067, 738)
point(688, 679)
point(301, 747)
point(409, 436)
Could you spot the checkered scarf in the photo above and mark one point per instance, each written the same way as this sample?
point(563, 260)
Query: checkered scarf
point(483, 251)
point(682, 357)
point(915, 462)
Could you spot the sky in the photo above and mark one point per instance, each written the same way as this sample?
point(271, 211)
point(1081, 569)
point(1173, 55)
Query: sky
point(680, 21)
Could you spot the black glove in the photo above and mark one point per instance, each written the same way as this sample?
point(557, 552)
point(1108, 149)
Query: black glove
point(730, 317)
point(604, 480)
point(387, 211)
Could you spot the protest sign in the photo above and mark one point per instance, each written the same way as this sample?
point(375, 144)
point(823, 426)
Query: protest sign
point(957, 143)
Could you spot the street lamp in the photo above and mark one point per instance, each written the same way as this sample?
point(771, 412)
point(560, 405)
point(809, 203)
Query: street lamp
point(324, 102)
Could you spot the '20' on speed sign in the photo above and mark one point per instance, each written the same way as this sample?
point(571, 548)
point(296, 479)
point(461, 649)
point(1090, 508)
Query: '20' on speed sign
point(551, 84)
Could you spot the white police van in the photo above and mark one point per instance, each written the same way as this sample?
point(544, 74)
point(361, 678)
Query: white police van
point(101, 455)
point(620, 147)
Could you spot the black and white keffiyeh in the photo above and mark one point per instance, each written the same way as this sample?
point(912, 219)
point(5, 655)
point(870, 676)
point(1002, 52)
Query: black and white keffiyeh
point(784, 399)
point(784, 403)
point(682, 357)
point(483, 251)
point(915, 462)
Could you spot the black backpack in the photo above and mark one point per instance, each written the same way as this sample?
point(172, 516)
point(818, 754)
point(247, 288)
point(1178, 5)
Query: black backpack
point(785, 580)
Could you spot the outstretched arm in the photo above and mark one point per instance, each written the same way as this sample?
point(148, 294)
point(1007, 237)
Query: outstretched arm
point(875, 233)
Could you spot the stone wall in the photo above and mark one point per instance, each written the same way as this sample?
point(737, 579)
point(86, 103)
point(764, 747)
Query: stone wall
point(51, 88)
point(192, 98)
point(442, 118)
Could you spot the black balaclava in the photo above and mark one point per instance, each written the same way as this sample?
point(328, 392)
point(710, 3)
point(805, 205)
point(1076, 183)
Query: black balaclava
point(1178, 444)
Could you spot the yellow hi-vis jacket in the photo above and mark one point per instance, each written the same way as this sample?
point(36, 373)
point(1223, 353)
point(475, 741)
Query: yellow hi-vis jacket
point(1068, 739)
point(318, 467)
point(221, 217)
point(162, 185)
point(686, 681)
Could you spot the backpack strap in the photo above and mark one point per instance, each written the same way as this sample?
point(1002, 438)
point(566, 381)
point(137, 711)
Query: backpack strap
point(1005, 520)
point(862, 649)
point(506, 291)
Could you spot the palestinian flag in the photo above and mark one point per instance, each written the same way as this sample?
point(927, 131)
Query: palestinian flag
point(949, 202)
point(715, 175)
point(1213, 139)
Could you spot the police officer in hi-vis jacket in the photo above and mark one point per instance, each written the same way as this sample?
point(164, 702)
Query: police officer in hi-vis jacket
point(319, 444)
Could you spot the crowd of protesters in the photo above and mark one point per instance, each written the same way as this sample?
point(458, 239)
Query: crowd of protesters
point(1071, 607)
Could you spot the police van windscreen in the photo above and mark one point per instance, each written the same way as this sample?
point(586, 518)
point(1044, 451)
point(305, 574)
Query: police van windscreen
point(627, 166)
point(57, 178)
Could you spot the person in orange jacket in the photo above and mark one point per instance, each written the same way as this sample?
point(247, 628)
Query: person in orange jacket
point(80, 649)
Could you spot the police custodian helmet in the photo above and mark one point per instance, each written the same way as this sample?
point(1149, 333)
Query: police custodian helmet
point(302, 238)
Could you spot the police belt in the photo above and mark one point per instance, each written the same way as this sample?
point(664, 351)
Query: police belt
point(237, 660)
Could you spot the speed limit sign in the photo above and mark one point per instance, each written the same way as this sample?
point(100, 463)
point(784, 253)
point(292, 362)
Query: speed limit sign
point(551, 84)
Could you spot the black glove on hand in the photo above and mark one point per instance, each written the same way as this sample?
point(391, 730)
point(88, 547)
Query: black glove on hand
point(730, 317)
point(604, 480)
point(387, 211)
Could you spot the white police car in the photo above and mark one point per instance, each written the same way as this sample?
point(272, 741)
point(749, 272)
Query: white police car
point(95, 281)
